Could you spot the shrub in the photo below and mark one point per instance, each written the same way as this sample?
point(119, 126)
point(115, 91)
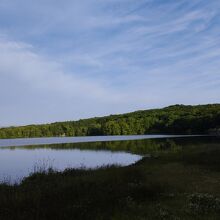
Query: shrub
point(203, 203)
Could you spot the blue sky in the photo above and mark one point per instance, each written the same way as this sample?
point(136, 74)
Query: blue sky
point(72, 59)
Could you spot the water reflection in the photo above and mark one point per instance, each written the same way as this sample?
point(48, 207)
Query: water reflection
point(20, 161)
point(16, 163)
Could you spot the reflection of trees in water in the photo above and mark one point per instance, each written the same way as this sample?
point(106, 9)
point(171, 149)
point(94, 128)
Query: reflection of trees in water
point(166, 145)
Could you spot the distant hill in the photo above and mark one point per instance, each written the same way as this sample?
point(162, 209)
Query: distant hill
point(176, 119)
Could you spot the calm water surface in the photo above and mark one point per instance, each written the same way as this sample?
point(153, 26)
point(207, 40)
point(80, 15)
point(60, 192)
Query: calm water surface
point(18, 163)
point(62, 140)
point(21, 157)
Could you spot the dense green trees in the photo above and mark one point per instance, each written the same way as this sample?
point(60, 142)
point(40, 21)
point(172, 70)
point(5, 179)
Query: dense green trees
point(177, 119)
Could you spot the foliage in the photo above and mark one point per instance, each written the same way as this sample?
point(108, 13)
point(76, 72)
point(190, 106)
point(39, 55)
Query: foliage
point(203, 203)
point(177, 119)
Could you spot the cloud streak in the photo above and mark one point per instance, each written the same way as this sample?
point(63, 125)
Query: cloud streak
point(88, 58)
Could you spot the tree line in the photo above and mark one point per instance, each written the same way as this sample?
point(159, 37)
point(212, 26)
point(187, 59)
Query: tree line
point(176, 119)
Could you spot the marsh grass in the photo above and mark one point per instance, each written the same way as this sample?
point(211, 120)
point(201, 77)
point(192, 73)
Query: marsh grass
point(203, 203)
point(173, 186)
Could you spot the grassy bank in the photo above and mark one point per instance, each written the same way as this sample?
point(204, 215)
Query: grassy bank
point(172, 184)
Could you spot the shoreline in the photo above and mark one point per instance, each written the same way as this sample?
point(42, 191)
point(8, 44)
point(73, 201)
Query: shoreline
point(16, 142)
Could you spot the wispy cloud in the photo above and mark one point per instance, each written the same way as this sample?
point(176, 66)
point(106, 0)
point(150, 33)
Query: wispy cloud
point(63, 61)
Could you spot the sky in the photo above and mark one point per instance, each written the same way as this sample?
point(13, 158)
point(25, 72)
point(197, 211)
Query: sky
point(73, 59)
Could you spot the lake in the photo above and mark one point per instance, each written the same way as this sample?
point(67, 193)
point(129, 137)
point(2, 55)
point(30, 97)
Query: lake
point(21, 157)
point(62, 140)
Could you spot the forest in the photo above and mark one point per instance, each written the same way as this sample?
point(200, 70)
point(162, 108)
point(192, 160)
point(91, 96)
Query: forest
point(176, 119)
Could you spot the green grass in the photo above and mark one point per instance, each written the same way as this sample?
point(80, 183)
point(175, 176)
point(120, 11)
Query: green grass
point(182, 184)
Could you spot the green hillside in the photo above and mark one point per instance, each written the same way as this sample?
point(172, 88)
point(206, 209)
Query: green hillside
point(176, 119)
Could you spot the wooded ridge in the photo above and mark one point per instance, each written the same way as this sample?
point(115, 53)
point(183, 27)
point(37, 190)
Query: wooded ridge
point(176, 119)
